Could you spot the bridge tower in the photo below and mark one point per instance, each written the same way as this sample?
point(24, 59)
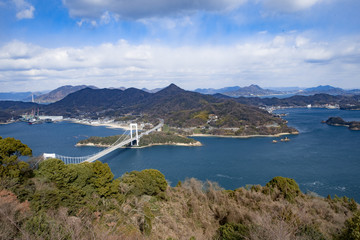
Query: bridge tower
point(136, 133)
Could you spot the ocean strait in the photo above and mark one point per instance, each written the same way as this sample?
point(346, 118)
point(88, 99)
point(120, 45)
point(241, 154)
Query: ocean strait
point(323, 159)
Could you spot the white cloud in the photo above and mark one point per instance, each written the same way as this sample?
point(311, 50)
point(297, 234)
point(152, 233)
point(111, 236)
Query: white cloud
point(26, 13)
point(139, 9)
point(301, 41)
point(24, 9)
point(286, 60)
point(289, 5)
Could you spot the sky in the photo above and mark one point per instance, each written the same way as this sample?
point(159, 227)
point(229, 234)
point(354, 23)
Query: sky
point(192, 43)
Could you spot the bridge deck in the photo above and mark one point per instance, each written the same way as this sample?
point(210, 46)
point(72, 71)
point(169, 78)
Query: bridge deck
point(96, 156)
point(123, 143)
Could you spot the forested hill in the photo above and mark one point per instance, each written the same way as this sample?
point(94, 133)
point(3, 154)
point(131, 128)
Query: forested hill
point(105, 101)
point(179, 108)
point(12, 109)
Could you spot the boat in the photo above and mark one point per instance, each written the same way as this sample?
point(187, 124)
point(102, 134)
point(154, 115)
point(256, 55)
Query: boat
point(274, 141)
point(32, 121)
point(329, 106)
point(286, 139)
point(48, 120)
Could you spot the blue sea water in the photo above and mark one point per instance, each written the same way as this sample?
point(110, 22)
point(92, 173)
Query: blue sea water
point(322, 159)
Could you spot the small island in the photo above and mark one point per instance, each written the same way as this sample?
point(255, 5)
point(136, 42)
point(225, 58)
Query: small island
point(338, 121)
point(153, 139)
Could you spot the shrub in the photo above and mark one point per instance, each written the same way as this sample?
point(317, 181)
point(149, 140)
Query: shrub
point(351, 230)
point(147, 182)
point(352, 205)
point(287, 186)
point(310, 232)
point(232, 231)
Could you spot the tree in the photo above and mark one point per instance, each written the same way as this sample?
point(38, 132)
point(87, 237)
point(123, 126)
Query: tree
point(287, 187)
point(73, 185)
point(103, 179)
point(149, 182)
point(10, 167)
point(56, 171)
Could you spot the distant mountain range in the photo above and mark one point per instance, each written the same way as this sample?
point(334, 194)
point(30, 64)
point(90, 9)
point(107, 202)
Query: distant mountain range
point(214, 91)
point(18, 96)
point(54, 95)
point(179, 107)
point(252, 90)
point(330, 90)
point(152, 90)
point(255, 90)
point(235, 91)
point(350, 102)
point(59, 93)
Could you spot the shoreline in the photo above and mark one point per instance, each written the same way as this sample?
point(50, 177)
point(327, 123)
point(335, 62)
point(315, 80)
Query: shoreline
point(247, 136)
point(107, 125)
point(196, 144)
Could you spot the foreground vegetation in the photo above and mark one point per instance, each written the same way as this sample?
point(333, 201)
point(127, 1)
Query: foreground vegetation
point(84, 201)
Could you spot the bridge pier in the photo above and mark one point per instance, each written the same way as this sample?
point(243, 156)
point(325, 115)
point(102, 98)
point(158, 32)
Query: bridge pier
point(136, 133)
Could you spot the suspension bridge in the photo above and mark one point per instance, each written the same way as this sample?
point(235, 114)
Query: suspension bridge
point(127, 138)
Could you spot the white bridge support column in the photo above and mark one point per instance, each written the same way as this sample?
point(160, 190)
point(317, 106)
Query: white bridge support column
point(136, 133)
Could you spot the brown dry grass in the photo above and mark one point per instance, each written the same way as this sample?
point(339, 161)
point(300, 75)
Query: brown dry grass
point(194, 209)
point(197, 210)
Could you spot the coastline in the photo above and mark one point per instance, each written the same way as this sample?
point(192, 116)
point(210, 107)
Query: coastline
point(107, 125)
point(196, 144)
point(91, 145)
point(247, 136)
point(6, 123)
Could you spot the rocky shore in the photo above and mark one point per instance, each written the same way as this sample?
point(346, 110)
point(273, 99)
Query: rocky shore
point(338, 121)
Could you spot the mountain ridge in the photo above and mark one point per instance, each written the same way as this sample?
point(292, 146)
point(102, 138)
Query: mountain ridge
point(59, 93)
point(179, 108)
